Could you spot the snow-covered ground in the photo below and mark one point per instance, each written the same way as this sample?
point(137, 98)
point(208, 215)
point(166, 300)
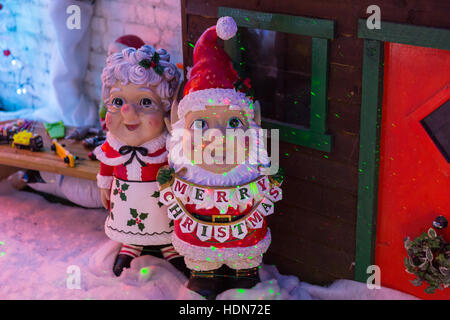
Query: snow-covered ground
point(40, 241)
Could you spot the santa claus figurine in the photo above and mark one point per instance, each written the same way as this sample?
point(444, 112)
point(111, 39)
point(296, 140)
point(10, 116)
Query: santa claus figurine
point(138, 88)
point(218, 206)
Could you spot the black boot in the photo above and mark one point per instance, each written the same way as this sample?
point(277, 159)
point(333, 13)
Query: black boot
point(206, 283)
point(243, 278)
point(33, 176)
point(122, 261)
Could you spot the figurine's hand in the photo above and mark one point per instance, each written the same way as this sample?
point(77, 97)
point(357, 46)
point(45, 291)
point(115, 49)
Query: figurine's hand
point(105, 195)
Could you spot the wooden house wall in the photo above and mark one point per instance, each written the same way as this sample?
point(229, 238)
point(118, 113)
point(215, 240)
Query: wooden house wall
point(313, 229)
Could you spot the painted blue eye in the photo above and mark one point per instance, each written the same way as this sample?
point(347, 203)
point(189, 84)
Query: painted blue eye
point(118, 102)
point(199, 124)
point(234, 123)
point(146, 102)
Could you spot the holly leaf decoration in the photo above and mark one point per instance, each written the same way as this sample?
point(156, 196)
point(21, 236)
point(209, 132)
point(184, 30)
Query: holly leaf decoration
point(278, 177)
point(171, 223)
point(116, 191)
point(141, 226)
point(160, 204)
point(112, 215)
point(145, 63)
point(112, 205)
point(123, 197)
point(165, 175)
point(131, 222)
point(159, 69)
point(117, 183)
point(125, 187)
point(156, 194)
point(155, 57)
point(133, 212)
point(143, 216)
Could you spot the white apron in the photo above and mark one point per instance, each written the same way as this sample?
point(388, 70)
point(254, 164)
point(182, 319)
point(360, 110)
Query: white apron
point(135, 217)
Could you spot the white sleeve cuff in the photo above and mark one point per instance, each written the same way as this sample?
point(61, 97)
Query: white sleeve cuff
point(104, 182)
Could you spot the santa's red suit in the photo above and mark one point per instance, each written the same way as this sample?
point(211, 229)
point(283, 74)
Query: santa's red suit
point(211, 254)
point(130, 172)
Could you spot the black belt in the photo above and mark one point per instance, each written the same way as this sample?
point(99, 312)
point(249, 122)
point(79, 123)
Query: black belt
point(220, 218)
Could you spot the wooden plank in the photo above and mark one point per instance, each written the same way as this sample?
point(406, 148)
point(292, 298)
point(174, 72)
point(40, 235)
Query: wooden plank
point(344, 83)
point(314, 167)
point(300, 195)
point(302, 269)
point(319, 84)
point(294, 247)
point(406, 34)
point(328, 232)
point(47, 160)
point(368, 159)
point(318, 28)
point(343, 117)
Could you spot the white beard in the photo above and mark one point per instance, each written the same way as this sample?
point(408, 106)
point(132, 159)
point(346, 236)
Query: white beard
point(238, 176)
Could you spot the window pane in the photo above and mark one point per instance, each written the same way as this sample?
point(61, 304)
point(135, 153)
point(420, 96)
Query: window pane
point(437, 125)
point(279, 65)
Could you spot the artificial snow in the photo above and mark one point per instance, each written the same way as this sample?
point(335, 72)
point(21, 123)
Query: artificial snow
point(42, 243)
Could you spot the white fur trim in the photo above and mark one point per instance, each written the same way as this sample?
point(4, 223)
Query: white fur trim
point(226, 28)
point(104, 182)
point(134, 167)
point(221, 254)
point(197, 100)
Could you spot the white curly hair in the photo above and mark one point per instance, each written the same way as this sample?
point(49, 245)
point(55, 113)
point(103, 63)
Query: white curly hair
point(124, 67)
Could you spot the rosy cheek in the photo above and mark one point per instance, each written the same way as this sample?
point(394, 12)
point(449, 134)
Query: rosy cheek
point(108, 119)
point(154, 121)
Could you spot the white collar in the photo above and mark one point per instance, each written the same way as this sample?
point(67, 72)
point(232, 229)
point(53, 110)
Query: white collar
point(151, 145)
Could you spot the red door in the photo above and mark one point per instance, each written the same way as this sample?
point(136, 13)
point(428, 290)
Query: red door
point(414, 185)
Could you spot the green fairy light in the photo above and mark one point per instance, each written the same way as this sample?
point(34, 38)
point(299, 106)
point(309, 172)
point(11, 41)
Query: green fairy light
point(2, 243)
point(2, 253)
point(208, 259)
point(271, 291)
point(144, 271)
point(241, 290)
point(313, 94)
point(191, 44)
point(213, 248)
point(325, 156)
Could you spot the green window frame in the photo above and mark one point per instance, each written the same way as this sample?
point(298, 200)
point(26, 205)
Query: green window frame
point(321, 31)
point(371, 113)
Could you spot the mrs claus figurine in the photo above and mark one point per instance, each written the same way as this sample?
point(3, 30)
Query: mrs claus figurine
point(219, 208)
point(138, 88)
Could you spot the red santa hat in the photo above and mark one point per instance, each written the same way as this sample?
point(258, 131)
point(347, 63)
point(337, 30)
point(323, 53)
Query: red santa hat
point(212, 79)
point(130, 40)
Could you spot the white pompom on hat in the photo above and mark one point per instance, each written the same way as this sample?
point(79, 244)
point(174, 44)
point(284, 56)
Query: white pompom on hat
point(226, 28)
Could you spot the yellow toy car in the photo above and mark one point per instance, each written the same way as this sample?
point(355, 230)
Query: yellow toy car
point(27, 140)
point(63, 153)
